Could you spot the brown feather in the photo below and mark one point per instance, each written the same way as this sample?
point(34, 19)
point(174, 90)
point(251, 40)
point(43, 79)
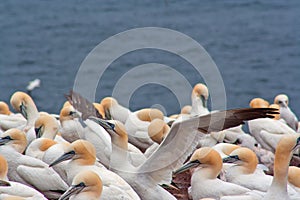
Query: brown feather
point(81, 104)
point(230, 118)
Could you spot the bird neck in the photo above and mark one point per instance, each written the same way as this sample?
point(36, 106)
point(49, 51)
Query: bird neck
point(120, 141)
point(197, 105)
point(119, 158)
point(281, 167)
point(32, 114)
point(50, 132)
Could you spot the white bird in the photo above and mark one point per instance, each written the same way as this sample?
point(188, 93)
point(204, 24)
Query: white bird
point(204, 181)
point(82, 156)
point(244, 171)
point(267, 131)
point(285, 112)
point(27, 170)
point(33, 84)
point(24, 104)
point(199, 100)
point(87, 185)
point(113, 110)
point(14, 188)
point(71, 129)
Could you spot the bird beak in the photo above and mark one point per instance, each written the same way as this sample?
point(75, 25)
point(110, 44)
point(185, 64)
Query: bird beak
point(23, 110)
point(188, 165)
point(107, 114)
point(74, 189)
point(104, 123)
point(67, 156)
point(76, 114)
point(38, 132)
point(203, 101)
point(5, 140)
point(230, 159)
point(4, 183)
point(170, 186)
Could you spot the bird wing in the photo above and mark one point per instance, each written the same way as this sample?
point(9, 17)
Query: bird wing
point(183, 137)
point(37, 173)
point(81, 104)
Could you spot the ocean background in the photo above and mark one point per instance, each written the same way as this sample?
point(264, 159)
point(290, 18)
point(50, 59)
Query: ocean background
point(255, 44)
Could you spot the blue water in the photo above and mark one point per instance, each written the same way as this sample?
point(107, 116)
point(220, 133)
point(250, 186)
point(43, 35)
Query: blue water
point(255, 44)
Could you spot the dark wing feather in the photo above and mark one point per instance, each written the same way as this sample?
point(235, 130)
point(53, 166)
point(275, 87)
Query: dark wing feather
point(226, 119)
point(81, 104)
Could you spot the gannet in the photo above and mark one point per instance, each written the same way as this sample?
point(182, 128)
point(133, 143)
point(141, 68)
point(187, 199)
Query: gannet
point(82, 156)
point(267, 131)
point(71, 129)
point(243, 172)
point(48, 145)
point(199, 100)
point(87, 185)
point(46, 126)
point(15, 188)
point(285, 112)
point(24, 104)
point(27, 170)
point(204, 181)
point(113, 110)
point(174, 149)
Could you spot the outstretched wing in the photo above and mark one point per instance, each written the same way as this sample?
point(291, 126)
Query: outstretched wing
point(230, 118)
point(183, 138)
point(81, 104)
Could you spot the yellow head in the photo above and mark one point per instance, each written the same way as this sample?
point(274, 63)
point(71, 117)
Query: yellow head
point(258, 103)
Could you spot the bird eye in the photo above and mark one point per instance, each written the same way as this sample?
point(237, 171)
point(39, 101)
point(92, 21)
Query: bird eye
point(256, 145)
point(280, 102)
point(81, 184)
point(71, 113)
